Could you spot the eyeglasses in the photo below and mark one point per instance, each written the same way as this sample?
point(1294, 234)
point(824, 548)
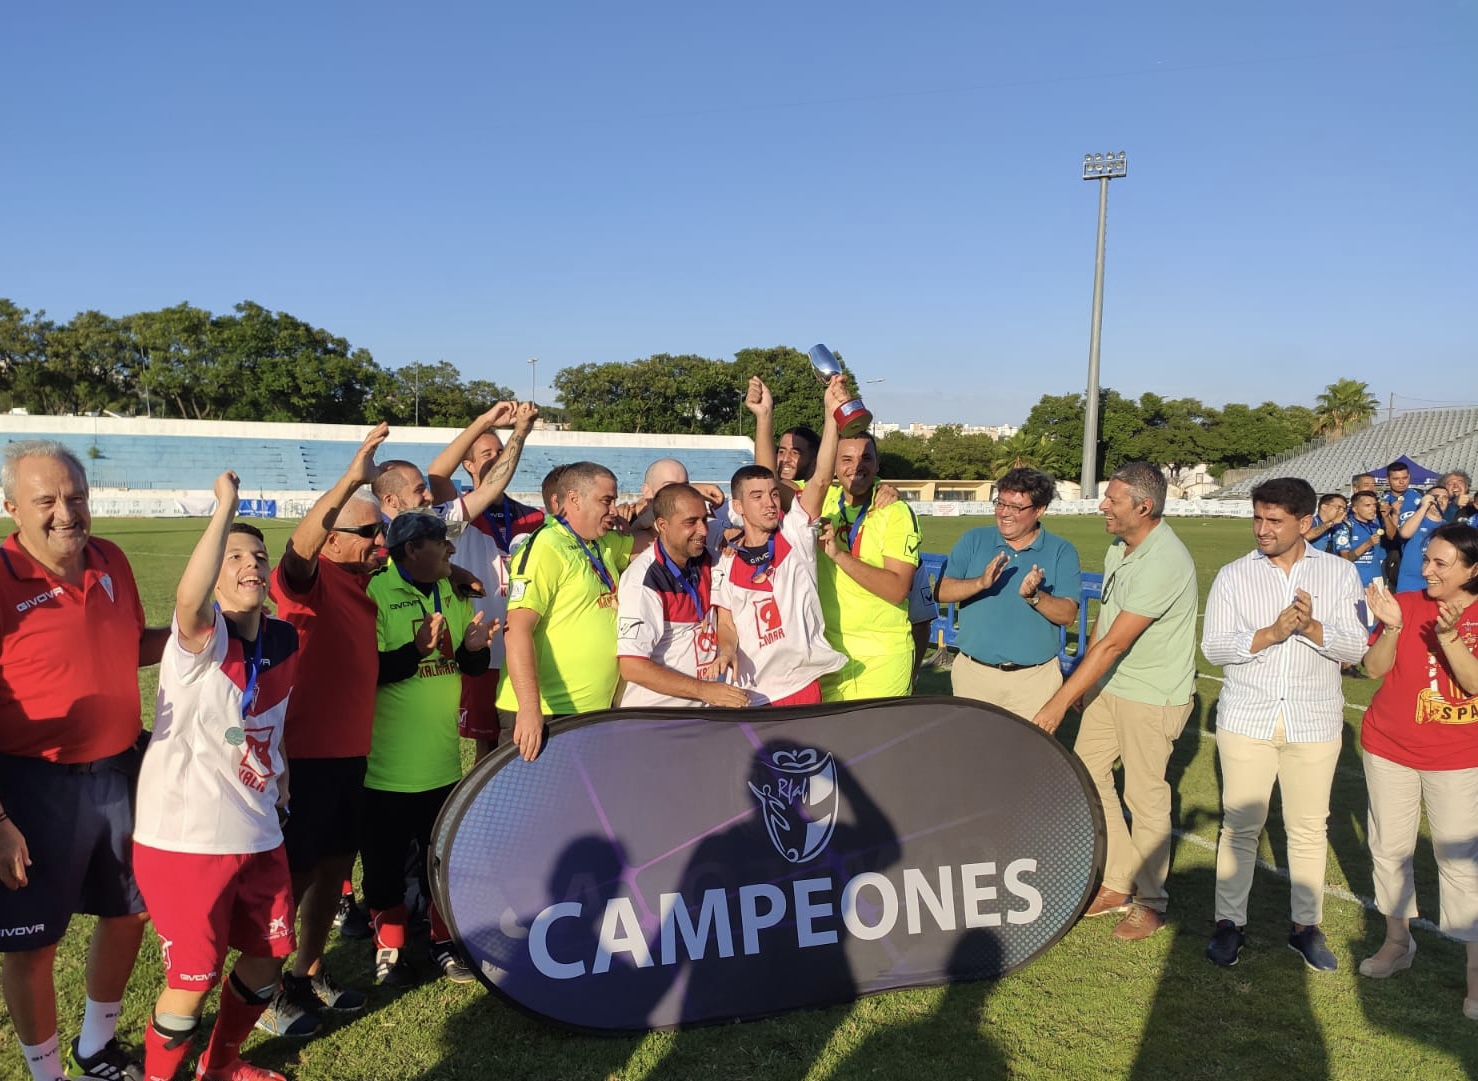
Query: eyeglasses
point(368, 532)
point(1014, 508)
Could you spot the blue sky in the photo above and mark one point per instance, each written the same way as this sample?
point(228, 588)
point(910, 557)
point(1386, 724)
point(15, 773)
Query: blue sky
point(485, 183)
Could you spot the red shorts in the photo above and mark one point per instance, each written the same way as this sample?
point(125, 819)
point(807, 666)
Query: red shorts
point(203, 905)
point(809, 695)
point(478, 718)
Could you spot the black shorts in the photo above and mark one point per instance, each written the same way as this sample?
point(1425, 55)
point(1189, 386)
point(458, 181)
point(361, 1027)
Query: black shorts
point(327, 804)
point(78, 825)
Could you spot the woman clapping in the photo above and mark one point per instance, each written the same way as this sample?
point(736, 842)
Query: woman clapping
point(1420, 738)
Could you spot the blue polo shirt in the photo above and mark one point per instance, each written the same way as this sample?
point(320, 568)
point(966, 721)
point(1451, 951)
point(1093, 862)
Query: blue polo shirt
point(1405, 504)
point(1412, 550)
point(998, 626)
point(1351, 535)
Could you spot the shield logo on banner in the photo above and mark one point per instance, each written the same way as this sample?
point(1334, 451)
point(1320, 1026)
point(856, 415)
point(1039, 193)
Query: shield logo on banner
point(799, 801)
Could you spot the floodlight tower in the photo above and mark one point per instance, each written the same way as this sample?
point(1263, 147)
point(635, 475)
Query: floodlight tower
point(1102, 168)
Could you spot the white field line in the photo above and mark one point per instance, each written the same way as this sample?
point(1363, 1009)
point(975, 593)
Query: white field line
point(1367, 903)
point(1338, 892)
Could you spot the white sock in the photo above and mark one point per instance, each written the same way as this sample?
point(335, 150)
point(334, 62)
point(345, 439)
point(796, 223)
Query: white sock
point(43, 1060)
point(99, 1025)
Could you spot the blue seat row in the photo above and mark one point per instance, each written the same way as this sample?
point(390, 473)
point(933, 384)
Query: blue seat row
point(945, 631)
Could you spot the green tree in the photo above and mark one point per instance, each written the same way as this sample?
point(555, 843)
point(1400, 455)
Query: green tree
point(280, 368)
point(1344, 404)
point(177, 368)
point(1021, 449)
point(958, 456)
point(23, 344)
point(1057, 421)
point(904, 457)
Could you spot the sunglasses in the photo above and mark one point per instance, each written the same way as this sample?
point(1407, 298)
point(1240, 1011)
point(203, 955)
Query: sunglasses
point(368, 532)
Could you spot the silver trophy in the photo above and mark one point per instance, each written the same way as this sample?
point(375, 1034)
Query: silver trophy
point(852, 416)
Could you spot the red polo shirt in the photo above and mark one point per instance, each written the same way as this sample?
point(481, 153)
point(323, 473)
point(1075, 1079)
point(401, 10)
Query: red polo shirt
point(69, 656)
point(332, 710)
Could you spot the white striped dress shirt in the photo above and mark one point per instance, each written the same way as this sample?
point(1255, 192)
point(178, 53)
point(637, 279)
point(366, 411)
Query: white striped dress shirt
point(1294, 678)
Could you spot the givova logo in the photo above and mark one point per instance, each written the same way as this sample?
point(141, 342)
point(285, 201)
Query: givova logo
point(799, 802)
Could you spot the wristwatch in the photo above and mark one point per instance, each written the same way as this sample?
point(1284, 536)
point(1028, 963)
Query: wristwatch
point(1034, 600)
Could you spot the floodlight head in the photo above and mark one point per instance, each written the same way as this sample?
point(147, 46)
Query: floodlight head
point(1105, 166)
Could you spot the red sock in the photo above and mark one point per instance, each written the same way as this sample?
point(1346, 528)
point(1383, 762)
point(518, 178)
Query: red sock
point(347, 889)
point(440, 932)
point(161, 1060)
point(233, 1024)
point(389, 925)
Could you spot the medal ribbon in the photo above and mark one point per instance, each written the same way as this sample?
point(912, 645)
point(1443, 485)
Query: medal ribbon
point(854, 534)
point(596, 563)
point(689, 586)
point(501, 525)
point(435, 592)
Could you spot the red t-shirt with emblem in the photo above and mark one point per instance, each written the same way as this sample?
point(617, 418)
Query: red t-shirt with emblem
point(332, 710)
point(69, 656)
point(1420, 718)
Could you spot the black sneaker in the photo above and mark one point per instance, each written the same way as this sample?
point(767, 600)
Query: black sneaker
point(1309, 943)
point(452, 967)
point(338, 999)
point(293, 1011)
point(110, 1064)
point(393, 970)
point(1226, 943)
point(350, 920)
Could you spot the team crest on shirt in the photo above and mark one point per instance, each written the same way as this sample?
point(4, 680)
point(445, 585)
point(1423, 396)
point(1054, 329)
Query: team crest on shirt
point(767, 622)
point(256, 762)
point(106, 581)
point(517, 589)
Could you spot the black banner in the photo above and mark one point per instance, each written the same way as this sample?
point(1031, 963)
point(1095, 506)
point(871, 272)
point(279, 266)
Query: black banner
point(658, 868)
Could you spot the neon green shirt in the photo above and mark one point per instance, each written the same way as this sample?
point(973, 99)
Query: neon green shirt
point(415, 745)
point(575, 638)
point(859, 623)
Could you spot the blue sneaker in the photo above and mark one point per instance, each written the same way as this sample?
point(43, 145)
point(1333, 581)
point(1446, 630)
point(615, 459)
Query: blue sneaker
point(1226, 943)
point(1309, 943)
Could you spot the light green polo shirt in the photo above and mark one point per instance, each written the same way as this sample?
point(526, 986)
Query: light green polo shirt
point(1158, 580)
point(415, 747)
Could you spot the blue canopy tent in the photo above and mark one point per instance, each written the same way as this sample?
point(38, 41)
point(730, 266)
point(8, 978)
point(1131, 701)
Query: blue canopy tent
point(1421, 476)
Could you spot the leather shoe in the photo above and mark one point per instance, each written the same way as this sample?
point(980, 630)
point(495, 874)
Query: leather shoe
point(1379, 969)
point(1106, 901)
point(1139, 924)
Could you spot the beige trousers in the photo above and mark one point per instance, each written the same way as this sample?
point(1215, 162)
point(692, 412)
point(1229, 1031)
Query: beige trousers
point(1022, 692)
point(1304, 773)
point(1397, 795)
point(1142, 736)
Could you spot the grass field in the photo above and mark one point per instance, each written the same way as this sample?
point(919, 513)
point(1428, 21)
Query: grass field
point(1090, 1008)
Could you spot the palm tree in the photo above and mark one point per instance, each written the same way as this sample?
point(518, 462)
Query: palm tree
point(1019, 449)
point(1343, 405)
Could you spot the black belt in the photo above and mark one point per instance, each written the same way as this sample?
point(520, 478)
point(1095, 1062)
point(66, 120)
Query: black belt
point(1006, 666)
point(123, 762)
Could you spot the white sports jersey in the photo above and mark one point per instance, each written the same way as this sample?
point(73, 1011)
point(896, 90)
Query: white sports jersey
point(660, 618)
point(208, 784)
point(777, 613)
point(481, 551)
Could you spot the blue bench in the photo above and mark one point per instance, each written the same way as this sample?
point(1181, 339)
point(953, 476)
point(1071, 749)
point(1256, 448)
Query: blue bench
point(945, 634)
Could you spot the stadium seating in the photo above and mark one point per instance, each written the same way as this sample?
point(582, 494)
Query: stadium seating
point(1440, 439)
point(137, 461)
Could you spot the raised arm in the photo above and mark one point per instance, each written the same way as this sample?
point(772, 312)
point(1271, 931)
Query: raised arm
point(439, 474)
point(300, 560)
point(494, 483)
point(813, 495)
point(759, 402)
point(194, 597)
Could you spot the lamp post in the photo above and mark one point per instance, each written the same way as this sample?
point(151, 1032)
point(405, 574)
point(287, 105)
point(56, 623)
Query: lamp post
point(533, 376)
point(1102, 168)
